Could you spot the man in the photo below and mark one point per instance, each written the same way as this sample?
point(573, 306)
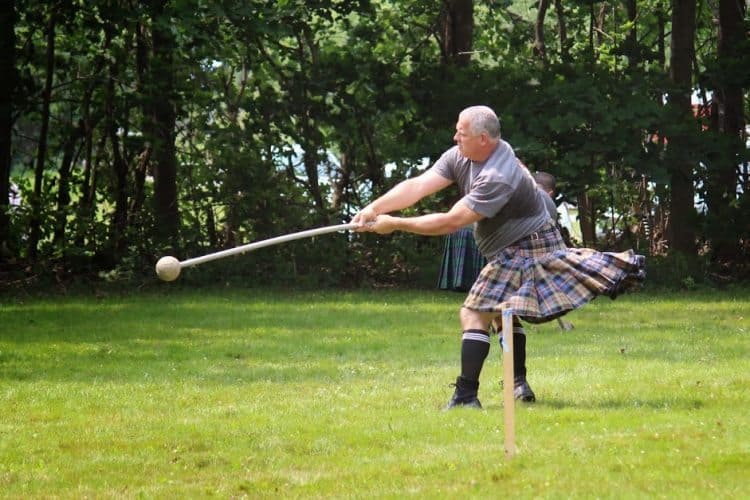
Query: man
point(528, 263)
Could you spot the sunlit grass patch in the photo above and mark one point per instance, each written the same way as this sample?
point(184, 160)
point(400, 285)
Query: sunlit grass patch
point(270, 394)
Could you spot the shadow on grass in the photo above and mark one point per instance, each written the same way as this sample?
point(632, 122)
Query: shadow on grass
point(243, 336)
point(657, 403)
point(226, 340)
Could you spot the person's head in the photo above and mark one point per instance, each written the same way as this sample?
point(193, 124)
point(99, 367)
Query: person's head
point(477, 132)
point(546, 181)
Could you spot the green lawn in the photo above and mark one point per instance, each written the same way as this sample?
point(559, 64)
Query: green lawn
point(268, 394)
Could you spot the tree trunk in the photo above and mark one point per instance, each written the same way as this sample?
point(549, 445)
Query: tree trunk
point(661, 49)
point(88, 183)
point(35, 226)
point(85, 209)
point(311, 160)
point(139, 184)
point(7, 90)
point(63, 186)
point(682, 201)
point(540, 49)
point(164, 118)
point(599, 20)
point(631, 41)
point(341, 184)
point(587, 220)
point(457, 31)
point(562, 30)
point(373, 165)
point(120, 167)
point(725, 227)
point(213, 237)
point(591, 29)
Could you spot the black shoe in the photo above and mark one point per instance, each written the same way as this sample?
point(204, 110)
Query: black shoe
point(522, 391)
point(465, 395)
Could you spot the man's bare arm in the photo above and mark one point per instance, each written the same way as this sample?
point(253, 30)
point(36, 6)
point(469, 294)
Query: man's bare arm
point(403, 195)
point(431, 224)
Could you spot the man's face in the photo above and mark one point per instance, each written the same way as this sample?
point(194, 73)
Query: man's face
point(468, 144)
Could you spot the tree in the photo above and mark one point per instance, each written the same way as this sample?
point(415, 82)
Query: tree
point(729, 76)
point(7, 92)
point(162, 114)
point(682, 221)
point(457, 20)
point(142, 127)
point(540, 47)
point(37, 202)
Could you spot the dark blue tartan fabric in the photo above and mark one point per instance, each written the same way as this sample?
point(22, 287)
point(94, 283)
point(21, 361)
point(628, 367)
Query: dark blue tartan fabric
point(543, 280)
point(462, 261)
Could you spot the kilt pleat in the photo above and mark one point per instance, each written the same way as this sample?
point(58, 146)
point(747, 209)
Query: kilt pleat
point(543, 280)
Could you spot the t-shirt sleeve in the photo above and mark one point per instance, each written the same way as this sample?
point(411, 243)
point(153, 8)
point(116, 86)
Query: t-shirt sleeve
point(488, 196)
point(444, 165)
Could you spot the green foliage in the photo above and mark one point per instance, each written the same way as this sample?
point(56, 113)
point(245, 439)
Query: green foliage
point(296, 114)
point(678, 271)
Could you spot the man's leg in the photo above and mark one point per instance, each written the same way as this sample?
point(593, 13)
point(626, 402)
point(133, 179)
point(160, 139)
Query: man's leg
point(475, 346)
point(521, 389)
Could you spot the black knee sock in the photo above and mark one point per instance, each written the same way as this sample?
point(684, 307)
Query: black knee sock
point(475, 345)
point(519, 354)
point(519, 349)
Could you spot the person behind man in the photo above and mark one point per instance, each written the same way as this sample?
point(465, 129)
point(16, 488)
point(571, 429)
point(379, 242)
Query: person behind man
point(528, 263)
point(462, 261)
point(548, 184)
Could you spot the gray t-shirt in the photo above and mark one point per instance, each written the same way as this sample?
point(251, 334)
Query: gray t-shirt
point(501, 190)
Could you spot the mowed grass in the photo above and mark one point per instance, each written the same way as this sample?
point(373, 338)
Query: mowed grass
point(271, 394)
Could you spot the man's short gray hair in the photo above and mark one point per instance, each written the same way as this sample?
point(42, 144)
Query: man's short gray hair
point(482, 120)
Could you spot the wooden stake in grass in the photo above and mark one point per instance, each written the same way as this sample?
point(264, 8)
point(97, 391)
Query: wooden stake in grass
point(509, 409)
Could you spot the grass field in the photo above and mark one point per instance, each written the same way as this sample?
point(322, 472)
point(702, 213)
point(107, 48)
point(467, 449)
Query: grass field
point(270, 394)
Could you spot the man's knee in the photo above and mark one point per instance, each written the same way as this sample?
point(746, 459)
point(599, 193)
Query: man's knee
point(474, 320)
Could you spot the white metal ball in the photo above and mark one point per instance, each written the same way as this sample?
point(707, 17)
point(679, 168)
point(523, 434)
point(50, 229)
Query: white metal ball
point(168, 268)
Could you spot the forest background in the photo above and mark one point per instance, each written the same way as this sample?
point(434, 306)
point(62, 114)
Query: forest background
point(133, 129)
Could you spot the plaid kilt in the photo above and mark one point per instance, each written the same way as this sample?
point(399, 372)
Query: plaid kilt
point(462, 261)
point(542, 279)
